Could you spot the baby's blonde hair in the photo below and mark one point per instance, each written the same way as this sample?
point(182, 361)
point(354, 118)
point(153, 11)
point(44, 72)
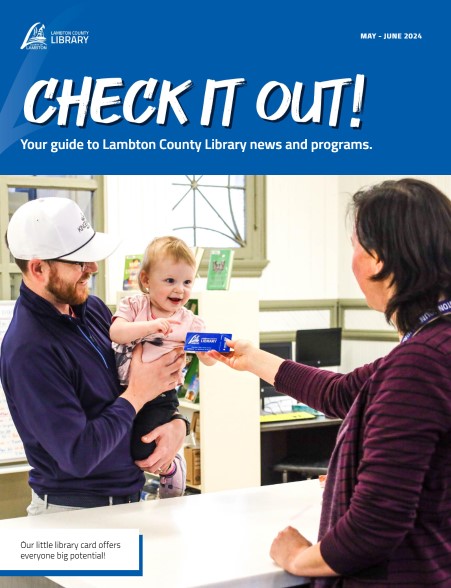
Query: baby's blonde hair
point(162, 247)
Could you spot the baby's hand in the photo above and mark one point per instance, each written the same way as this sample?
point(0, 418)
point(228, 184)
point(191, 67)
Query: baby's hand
point(163, 325)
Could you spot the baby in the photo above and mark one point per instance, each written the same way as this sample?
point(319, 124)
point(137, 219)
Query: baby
point(158, 319)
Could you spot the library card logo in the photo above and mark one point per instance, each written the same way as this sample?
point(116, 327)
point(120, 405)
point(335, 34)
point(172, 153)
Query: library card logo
point(195, 339)
point(35, 38)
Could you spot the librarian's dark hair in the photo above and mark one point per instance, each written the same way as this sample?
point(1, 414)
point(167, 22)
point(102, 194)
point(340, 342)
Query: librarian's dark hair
point(407, 223)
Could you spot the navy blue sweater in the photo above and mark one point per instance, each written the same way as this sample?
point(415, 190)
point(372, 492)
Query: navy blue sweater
point(60, 381)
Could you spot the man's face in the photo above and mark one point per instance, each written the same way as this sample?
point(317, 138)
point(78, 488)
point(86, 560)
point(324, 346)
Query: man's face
point(67, 283)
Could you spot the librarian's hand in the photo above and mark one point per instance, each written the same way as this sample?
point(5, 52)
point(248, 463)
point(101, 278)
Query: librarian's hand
point(295, 554)
point(205, 358)
point(149, 380)
point(287, 546)
point(168, 438)
point(240, 356)
point(246, 357)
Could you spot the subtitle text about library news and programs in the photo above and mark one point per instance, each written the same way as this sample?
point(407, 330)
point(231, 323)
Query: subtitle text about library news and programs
point(206, 145)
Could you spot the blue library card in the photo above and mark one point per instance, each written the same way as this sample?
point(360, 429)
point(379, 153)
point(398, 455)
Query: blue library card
point(207, 341)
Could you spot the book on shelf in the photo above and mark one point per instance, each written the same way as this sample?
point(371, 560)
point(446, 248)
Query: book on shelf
point(220, 269)
point(190, 389)
point(132, 267)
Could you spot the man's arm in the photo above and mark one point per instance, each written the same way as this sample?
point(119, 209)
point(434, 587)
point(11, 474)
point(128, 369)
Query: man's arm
point(50, 411)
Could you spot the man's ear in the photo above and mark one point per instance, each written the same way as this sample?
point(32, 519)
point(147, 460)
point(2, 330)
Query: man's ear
point(37, 268)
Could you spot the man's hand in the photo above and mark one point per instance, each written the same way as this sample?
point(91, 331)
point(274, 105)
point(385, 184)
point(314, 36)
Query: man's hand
point(149, 380)
point(169, 438)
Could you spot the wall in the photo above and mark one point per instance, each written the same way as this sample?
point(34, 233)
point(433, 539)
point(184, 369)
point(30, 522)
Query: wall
point(302, 232)
point(15, 494)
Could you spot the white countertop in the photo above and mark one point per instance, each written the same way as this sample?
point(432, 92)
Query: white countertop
point(213, 539)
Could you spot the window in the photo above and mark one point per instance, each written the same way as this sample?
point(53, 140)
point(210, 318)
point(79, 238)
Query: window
point(16, 190)
point(222, 212)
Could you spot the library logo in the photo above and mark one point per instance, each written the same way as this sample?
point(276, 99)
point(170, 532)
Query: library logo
point(35, 38)
point(195, 339)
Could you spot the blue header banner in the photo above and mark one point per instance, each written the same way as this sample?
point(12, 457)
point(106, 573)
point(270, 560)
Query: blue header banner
point(285, 88)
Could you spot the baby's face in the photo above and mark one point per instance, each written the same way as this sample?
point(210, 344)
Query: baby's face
point(170, 284)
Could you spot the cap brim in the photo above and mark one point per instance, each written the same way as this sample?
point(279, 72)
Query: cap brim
point(99, 247)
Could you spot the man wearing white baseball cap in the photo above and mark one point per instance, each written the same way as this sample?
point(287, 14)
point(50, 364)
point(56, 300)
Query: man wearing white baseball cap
point(58, 369)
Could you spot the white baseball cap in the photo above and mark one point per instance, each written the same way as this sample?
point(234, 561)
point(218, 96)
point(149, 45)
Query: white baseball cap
point(56, 228)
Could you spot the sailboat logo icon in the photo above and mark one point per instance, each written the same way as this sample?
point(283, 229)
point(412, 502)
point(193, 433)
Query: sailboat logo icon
point(35, 38)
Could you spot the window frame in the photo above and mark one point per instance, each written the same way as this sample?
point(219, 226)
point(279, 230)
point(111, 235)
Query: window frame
point(94, 185)
point(251, 260)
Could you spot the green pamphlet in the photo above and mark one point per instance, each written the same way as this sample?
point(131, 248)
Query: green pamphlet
point(220, 269)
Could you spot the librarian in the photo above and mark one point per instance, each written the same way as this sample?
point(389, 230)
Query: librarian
point(59, 374)
point(386, 511)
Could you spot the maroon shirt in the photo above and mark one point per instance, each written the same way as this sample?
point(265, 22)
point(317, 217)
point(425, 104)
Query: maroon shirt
point(386, 515)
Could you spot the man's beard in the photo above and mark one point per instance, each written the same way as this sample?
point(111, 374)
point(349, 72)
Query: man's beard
point(63, 292)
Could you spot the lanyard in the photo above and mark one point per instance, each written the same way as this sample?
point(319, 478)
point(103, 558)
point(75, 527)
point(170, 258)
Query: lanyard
point(443, 307)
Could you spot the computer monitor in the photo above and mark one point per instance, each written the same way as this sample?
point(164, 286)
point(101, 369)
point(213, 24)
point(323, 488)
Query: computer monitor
point(319, 347)
point(283, 349)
